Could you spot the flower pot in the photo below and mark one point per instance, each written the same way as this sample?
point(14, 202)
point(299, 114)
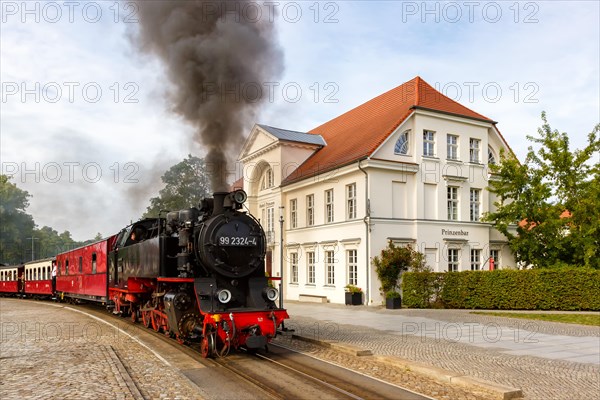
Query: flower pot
point(393, 303)
point(353, 299)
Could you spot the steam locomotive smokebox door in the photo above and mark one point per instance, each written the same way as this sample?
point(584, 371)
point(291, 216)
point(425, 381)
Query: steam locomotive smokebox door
point(231, 244)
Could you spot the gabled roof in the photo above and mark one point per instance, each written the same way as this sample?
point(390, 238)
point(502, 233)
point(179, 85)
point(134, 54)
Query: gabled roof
point(357, 133)
point(293, 136)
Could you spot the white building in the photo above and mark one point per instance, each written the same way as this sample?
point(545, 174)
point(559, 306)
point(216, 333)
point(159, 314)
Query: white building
point(409, 166)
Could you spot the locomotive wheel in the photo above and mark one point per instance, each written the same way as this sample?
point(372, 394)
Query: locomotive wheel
point(147, 319)
point(134, 315)
point(207, 347)
point(155, 324)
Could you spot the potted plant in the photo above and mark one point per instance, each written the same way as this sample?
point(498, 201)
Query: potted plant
point(392, 300)
point(353, 295)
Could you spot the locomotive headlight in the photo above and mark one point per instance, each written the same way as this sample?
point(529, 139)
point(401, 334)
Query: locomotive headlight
point(239, 196)
point(224, 296)
point(271, 294)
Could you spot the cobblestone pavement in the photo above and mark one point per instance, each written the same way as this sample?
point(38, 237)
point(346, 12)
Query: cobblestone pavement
point(49, 352)
point(539, 378)
point(387, 372)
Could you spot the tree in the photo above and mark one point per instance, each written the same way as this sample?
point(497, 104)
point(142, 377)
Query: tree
point(553, 199)
point(16, 225)
point(186, 183)
point(394, 260)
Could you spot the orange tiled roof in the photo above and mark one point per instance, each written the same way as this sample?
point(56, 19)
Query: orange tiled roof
point(357, 133)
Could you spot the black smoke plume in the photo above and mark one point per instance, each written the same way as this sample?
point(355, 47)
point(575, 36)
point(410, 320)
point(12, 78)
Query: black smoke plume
point(218, 56)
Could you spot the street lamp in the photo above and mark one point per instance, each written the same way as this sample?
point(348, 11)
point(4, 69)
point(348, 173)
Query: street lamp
point(281, 208)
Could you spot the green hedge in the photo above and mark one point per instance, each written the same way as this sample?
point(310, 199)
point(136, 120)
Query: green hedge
point(566, 289)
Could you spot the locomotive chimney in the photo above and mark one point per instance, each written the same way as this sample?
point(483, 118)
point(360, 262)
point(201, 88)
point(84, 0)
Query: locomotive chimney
point(219, 199)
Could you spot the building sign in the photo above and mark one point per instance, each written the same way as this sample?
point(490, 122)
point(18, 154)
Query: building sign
point(267, 204)
point(454, 233)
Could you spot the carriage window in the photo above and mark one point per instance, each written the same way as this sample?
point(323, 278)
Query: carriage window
point(67, 267)
point(93, 263)
point(80, 264)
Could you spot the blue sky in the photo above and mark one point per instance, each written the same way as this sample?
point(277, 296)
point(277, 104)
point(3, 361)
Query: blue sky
point(529, 56)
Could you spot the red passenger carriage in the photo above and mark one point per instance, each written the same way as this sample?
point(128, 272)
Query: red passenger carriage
point(82, 272)
point(11, 279)
point(38, 278)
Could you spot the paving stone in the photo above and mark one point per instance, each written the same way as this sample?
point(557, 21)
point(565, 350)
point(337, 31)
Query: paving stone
point(49, 352)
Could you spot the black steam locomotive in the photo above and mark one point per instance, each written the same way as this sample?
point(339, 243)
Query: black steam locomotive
point(198, 275)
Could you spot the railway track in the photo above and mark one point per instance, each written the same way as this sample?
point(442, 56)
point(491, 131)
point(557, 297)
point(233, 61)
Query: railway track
point(281, 373)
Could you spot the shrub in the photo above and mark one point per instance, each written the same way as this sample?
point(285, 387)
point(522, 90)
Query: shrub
point(392, 261)
point(567, 288)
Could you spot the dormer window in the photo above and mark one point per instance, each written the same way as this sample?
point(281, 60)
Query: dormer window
point(491, 156)
point(267, 180)
point(402, 144)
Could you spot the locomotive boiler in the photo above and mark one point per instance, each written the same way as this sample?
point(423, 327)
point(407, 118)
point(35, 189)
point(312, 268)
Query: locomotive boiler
point(198, 275)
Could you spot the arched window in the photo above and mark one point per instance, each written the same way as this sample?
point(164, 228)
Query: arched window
point(491, 156)
point(267, 180)
point(402, 144)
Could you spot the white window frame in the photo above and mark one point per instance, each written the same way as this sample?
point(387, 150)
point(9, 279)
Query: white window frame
point(329, 210)
point(329, 268)
point(293, 213)
point(294, 268)
point(475, 150)
point(310, 268)
point(268, 179)
point(352, 262)
point(496, 259)
point(351, 201)
point(474, 204)
point(453, 259)
point(452, 147)
point(475, 259)
point(428, 143)
point(453, 203)
point(310, 210)
point(402, 144)
point(491, 156)
point(271, 224)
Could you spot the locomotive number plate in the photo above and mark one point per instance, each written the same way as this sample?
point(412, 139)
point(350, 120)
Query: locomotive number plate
point(237, 241)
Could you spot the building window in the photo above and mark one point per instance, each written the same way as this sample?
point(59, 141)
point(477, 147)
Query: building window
point(352, 267)
point(475, 200)
point(67, 267)
point(474, 145)
point(491, 156)
point(329, 268)
point(268, 180)
point(402, 144)
point(495, 254)
point(293, 267)
point(452, 203)
point(429, 143)
point(80, 264)
point(310, 267)
point(293, 213)
point(452, 142)
point(310, 210)
point(271, 225)
point(329, 206)
point(351, 201)
point(475, 259)
point(452, 260)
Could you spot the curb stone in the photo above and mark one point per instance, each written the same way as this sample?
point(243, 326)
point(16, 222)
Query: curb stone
point(438, 374)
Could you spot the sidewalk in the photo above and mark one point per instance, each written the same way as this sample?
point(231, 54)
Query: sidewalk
point(546, 360)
